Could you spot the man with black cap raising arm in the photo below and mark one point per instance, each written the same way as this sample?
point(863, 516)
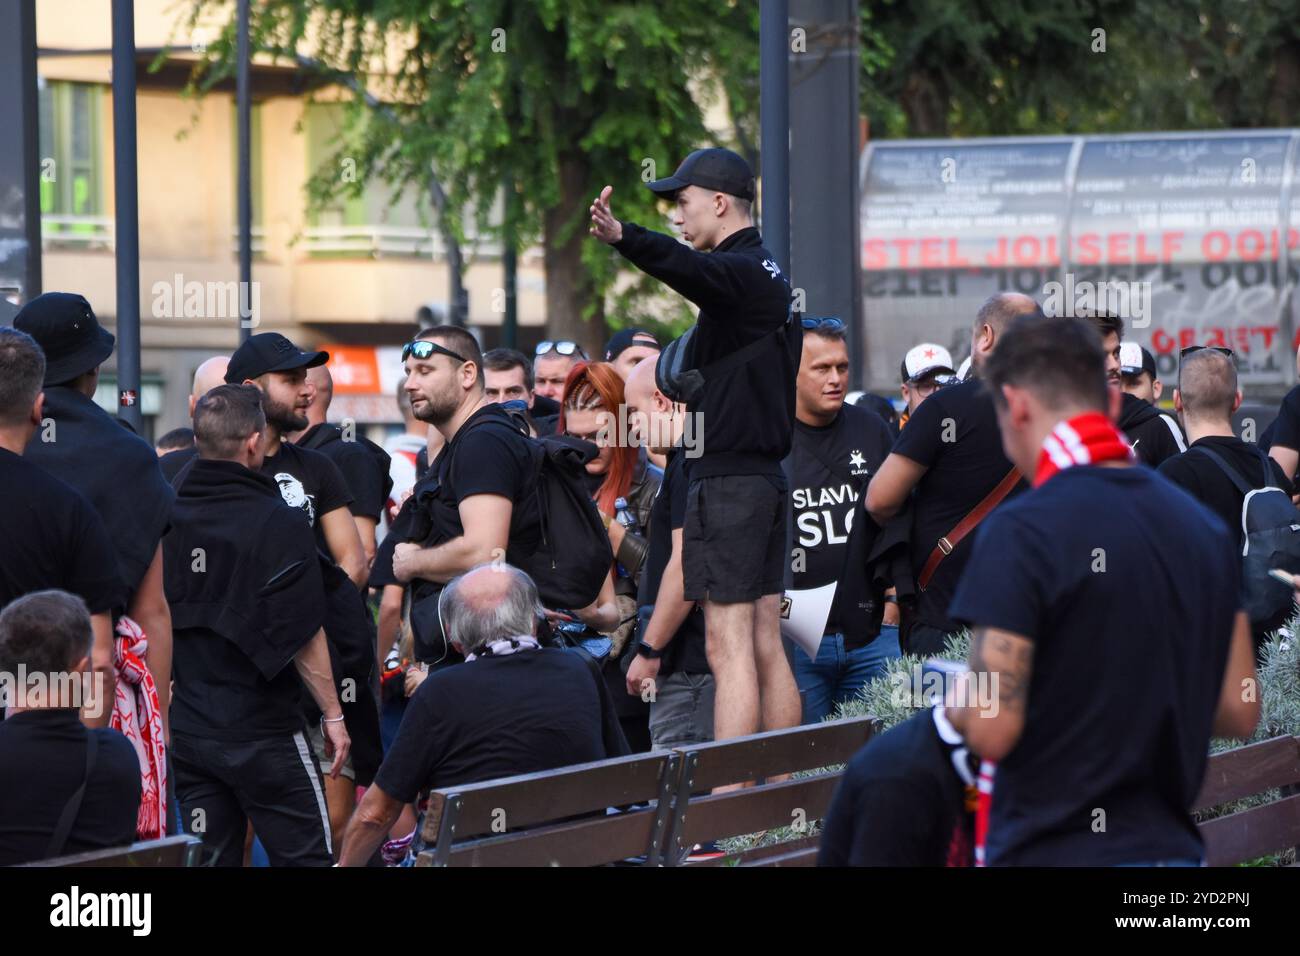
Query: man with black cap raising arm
point(734, 536)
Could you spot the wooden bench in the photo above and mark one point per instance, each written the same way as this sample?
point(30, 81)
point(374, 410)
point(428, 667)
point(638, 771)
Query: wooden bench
point(555, 818)
point(1244, 772)
point(700, 816)
point(180, 850)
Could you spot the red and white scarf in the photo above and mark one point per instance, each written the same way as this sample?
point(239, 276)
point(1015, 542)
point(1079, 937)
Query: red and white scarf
point(1087, 439)
point(137, 715)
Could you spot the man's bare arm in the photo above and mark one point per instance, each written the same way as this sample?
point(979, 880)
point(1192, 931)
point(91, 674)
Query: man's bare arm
point(1238, 710)
point(890, 486)
point(1287, 458)
point(366, 530)
point(369, 826)
point(671, 606)
point(1002, 664)
point(98, 709)
point(345, 545)
point(486, 520)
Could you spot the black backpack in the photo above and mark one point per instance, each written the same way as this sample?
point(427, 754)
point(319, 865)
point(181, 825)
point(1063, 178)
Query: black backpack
point(678, 378)
point(567, 554)
point(1270, 525)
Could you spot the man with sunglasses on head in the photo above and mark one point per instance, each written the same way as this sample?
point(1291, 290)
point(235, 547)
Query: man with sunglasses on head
point(951, 455)
point(551, 364)
point(734, 537)
point(926, 368)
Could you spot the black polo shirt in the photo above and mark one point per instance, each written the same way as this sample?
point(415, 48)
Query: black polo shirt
point(53, 538)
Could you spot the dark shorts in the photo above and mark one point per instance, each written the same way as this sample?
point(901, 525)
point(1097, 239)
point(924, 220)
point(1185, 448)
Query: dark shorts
point(734, 539)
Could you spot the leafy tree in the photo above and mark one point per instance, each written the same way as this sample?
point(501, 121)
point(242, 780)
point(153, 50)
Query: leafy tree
point(555, 98)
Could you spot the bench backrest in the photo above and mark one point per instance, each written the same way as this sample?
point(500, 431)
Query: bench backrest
point(180, 850)
point(1244, 772)
point(700, 816)
point(554, 817)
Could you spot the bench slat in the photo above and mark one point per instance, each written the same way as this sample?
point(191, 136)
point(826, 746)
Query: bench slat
point(737, 812)
point(590, 842)
point(1252, 833)
point(1248, 770)
point(778, 752)
point(179, 850)
point(536, 798)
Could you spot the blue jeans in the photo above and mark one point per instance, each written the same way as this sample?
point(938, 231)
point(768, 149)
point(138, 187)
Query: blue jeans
point(837, 675)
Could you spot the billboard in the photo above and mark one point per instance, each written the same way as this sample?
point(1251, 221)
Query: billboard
point(1198, 231)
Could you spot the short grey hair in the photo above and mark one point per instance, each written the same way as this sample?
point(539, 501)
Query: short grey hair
point(22, 370)
point(472, 623)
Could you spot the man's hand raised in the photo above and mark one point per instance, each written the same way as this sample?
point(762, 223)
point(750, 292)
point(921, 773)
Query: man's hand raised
point(603, 224)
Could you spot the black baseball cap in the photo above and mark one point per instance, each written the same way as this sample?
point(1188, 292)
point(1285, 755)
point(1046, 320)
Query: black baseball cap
point(269, 352)
point(624, 339)
point(64, 326)
point(713, 168)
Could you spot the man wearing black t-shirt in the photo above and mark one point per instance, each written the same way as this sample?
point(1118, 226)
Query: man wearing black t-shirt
point(46, 751)
point(1108, 641)
point(244, 581)
point(671, 657)
point(1206, 397)
point(363, 464)
point(53, 537)
point(951, 454)
point(465, 511)
point(836, 449)
point(734, 539)
point(512, 708)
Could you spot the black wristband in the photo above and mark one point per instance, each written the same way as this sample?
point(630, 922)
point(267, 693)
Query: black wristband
point(645, 650)
point(891, 599)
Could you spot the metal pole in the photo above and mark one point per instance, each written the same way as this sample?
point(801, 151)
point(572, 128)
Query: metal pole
point(774, 116)
point(245, 199)
point(510, 264)
point(126, 213)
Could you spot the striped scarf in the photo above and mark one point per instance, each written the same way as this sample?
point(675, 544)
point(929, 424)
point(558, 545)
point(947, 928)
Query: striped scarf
point(1087, 439)
point(137, 715)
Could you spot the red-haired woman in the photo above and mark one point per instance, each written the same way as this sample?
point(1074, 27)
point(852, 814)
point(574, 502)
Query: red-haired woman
point(589, 409)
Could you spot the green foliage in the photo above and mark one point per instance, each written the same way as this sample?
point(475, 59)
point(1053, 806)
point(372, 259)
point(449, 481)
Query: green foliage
point(556, 99)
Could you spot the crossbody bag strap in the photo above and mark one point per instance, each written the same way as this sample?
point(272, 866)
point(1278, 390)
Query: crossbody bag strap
point(948, 543)
point(70, 810)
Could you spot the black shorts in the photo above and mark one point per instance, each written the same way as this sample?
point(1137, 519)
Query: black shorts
point(734, 539)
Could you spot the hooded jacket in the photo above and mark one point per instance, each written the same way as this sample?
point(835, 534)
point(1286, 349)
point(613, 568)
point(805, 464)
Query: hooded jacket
point(1152, 434)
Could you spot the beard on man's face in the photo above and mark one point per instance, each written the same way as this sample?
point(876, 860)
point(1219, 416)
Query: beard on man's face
point(436, 409)
point(282, 416)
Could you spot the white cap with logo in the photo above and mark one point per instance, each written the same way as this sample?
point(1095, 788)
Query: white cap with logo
point(924, 359)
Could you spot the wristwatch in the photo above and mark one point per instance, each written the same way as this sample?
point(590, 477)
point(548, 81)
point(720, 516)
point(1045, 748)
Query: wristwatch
point(645, 650)
point(891, 599)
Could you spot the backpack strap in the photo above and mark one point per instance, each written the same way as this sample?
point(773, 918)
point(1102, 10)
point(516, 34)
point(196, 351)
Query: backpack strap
point(1233, 475)
point(318, 438)
point(70, 810)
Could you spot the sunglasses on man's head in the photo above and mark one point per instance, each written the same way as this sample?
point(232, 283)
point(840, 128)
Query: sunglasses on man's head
point(831, 323)
point(1197, 348)
point(564, 347)
point(422, 349)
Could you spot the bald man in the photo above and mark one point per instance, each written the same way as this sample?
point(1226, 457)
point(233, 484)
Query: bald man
point(365, 466)
point(511, 708)
point(951, 454)
point(210, 373)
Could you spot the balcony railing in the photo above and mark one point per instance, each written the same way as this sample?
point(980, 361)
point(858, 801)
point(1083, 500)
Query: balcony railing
point(380, 241)
point(76, 232)
point(258, 236)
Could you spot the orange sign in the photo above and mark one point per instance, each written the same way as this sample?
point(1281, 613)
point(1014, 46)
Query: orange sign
point(354, 369)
